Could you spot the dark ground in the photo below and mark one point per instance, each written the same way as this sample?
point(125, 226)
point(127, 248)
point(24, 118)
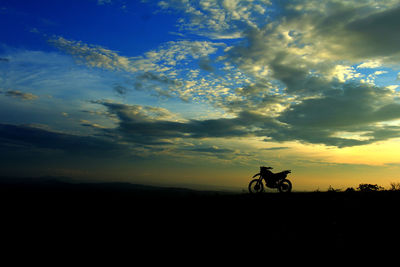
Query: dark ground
point(156, 222)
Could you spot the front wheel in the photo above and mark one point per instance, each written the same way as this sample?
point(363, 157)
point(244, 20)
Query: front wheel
point(285, 186)
point(256, 186)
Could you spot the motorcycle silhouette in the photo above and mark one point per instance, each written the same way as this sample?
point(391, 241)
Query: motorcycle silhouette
point(272, 180)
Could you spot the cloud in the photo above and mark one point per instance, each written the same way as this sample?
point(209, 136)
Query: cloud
point(20, 95)
point(120, 89)
point(4, 59)
point(218, 19)
point(292, 75)
point(150, 125)
point(23, 137)
point(205, 64)
point(353, 105)
point(160, 60)
point(138, 112)
point(209, 150)
point(148, 80)
point(376, 35)
point(47, 75)
point(370, 64)
point(353, 108)
point(306, 56)
point(264, 55)
point(91, 124)
point(161, 71)
point(351, 31)
point(303, 48)
point(277, 148)
point(212, 149)
point(345, 73)
point(94, 56)
point(137, 126)
point(348, 116)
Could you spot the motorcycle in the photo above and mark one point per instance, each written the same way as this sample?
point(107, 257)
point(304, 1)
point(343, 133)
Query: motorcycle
point(272, 180)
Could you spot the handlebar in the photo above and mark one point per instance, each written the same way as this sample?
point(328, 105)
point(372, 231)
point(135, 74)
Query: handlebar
point(268, 168)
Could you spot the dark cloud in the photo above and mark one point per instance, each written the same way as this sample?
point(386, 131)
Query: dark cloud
point(142, 80)
point(149, 76)
point(315, 136)
point(354, 109)
point(137, 126)
point(212, 150)
point(301, 53)
point(253, 90)
point(4, 59)
point(121, 90)
point(264, 47)
point(277, 148)
point(255, 97)
point(27, 137)
point(297, 79)
point(20, 95)
point(156, 131)
point(377, 34)
point(128, 112)
point(352, 105)
point(386, 132)
point(355, 31)
point(158, 83)
point(205, 64)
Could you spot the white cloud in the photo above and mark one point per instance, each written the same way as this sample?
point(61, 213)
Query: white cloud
point(392, 88)
point(159, 60)
point(370, 64)
point(162, 70)
point(380, 72)
point(94, 56)
point(219, 19)
point(344, 73)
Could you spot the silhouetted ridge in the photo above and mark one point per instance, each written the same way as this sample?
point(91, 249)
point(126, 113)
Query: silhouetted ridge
point(65, 184)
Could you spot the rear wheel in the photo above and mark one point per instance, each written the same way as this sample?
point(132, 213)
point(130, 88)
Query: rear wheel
point(285, 186)
point(256, 186)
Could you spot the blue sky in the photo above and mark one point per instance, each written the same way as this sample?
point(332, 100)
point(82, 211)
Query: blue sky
point(208, 91)
point(108, 25)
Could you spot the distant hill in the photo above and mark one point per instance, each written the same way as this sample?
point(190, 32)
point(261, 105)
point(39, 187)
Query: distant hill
point(65, 184)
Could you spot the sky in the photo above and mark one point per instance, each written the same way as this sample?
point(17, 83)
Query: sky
point(201, 93)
